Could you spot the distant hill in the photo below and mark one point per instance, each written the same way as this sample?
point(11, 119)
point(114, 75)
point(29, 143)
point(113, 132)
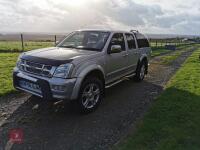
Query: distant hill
point(167, 36)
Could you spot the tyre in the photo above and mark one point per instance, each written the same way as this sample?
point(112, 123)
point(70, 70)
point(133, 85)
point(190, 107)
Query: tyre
point(141, 71)
point(90, 95)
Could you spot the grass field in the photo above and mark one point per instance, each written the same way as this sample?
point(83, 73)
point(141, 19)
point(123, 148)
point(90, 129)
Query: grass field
point(168, 59)
point(159, 51)
point(7, 63)
point(16, 45)
point(173, 122)
point(159, 44)
point(162, 50)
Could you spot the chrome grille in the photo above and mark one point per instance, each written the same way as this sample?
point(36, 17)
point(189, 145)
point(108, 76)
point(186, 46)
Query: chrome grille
point(36, 68)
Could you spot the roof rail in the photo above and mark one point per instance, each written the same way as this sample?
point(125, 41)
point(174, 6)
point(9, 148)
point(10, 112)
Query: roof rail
point(134, 31)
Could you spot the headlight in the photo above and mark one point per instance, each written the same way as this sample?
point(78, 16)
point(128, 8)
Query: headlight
point(19, 60)
point(18, 63)
point(63, 71)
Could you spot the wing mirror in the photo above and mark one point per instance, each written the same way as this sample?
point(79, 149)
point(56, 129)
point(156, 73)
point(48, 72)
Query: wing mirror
point(115, 49)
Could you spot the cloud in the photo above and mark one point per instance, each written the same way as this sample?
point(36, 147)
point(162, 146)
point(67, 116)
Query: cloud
point(65, 15)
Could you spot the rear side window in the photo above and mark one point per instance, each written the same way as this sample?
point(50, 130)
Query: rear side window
point(118, 39)
point(131, 41)
point(142, 41)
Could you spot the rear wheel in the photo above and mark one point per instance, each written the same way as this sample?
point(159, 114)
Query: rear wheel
point(141, 71)
point(91, 94)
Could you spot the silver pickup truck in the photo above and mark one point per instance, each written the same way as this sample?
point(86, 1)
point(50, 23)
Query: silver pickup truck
point(82, 65)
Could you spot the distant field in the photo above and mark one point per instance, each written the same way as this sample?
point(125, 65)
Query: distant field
point(168, 59)
point(156, 51)
point(159, 51)
point(7, 63)
point(17, 46)
point(159, 44)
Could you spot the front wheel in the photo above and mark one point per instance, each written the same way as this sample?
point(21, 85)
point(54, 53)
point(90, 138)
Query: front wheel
point(91, 94)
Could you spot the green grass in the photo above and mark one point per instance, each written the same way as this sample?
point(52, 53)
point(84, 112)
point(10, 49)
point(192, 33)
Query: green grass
point(168, 59)
point(159, 51)
point(162, 43)
point(159, 44)
point(7, 63)
point(16, 45)
point(173, 122)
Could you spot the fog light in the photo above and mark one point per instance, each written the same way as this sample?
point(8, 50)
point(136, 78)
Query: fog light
point(59, 88)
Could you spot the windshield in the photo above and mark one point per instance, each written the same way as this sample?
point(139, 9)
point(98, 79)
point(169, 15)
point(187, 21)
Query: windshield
point(86, 40)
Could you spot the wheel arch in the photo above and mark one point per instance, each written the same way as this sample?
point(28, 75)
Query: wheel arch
point(93, 70)
point(96, 72)
point(145, 59)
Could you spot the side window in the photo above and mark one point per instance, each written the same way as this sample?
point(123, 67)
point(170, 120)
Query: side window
point(131, 41)
point(118, 39)
point(142, 41)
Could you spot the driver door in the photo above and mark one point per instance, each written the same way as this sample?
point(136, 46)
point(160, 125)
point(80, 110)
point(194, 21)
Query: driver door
point(116, 63)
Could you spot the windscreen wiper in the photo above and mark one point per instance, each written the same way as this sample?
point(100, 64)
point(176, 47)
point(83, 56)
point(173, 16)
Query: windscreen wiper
point(69, 46)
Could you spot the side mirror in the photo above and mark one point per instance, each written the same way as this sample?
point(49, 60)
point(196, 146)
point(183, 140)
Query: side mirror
point(115, 49)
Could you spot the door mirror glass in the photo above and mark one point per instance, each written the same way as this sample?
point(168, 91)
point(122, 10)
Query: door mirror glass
point(116, 49)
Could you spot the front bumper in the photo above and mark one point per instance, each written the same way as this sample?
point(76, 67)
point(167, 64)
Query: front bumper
point(50, 88)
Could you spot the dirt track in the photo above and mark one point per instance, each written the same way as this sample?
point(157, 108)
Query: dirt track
point(56, 127)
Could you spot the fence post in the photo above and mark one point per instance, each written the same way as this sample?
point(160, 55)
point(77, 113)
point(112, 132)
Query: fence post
point(149, 41)
point(22, 40)
point(55, 39)
point(156, 43)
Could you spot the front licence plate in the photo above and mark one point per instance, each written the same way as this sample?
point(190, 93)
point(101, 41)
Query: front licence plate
point(30, 86)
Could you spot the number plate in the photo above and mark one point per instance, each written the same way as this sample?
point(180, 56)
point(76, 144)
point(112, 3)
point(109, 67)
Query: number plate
point(30, 86)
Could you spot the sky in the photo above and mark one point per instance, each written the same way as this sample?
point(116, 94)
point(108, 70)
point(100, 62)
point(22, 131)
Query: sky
point(61, 16)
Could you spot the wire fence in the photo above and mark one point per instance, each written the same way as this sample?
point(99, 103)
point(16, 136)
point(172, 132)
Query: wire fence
point(26, 42)
point(159, 43)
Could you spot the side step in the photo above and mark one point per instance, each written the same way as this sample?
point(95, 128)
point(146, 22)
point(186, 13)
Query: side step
point(120, 80)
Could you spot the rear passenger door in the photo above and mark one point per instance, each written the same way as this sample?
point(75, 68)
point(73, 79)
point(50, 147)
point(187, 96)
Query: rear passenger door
point(133, 52)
